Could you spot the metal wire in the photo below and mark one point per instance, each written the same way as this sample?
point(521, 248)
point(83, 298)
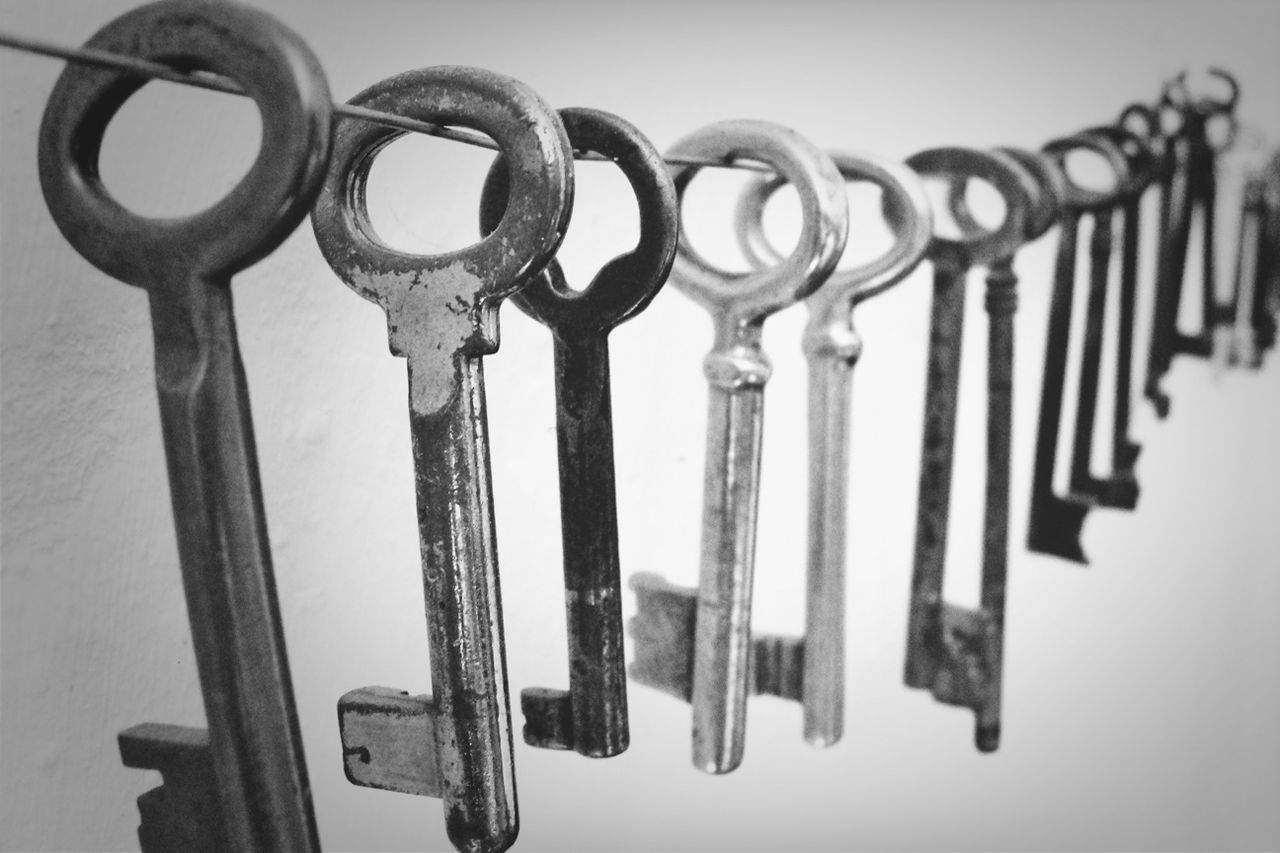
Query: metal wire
point(217, 83)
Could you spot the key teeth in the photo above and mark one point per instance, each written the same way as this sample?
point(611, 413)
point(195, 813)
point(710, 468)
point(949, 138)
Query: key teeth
point(1055, 529)
point(388, 741)
point(663, 630)
point(778, 667)
point(183, 812)
point(960, 668)
point(548, 717)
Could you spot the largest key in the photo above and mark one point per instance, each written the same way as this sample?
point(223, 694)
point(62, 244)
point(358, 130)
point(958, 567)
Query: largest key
point(442, 319)
point(241, 785)
point(715, 674)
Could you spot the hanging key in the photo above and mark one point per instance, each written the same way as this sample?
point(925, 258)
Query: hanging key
point(696, 645)
point(810, 669)
point(1119, 489)
point(956, 652)
point(241, 785)
point(1249, 335)
point(1192, 194)
point(442, 319)
point(1056, 521)
point(591, 717)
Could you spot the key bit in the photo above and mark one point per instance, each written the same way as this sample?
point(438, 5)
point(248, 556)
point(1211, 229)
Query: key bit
point(1057, 521)
point(442, 318)
point(956, 653)
point(591, 717)
point(244, 785)
point(810, 669)
point(737, 370)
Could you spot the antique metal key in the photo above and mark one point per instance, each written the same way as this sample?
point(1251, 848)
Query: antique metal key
point(956, 652)
point(442, 318)
point(242, 784)
point(810, 669)
point(1056, 521)
point(591, 717)
point(696, 645)
point(1119, 489)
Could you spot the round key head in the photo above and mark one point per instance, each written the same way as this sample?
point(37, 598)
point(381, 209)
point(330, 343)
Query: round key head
point(1014, 184)
point(449, 300)
point(906, 209)
point(1139, 157)
point(275, 68)
point(1177, 93)
point(824, 206)
point(628, 283)
point(1043, 180)
point(1080, 198)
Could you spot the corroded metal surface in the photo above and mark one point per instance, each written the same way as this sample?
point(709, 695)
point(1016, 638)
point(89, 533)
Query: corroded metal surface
point(251, 763)
point(442, 318)
point(737, 370)
point(811, 669)
point(591, 717)
point(954, 652)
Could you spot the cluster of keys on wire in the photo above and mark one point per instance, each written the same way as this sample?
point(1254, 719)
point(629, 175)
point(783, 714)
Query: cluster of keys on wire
point(241, 784)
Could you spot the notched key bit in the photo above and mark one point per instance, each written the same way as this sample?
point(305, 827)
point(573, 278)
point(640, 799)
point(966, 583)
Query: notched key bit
point(442, 318)
point(591, 717)
point(244, 785)
point(810, 669)
point(956, 653)
point(737, 370)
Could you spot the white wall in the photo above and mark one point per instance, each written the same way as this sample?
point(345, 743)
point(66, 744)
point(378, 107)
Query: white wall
point(1142, 693)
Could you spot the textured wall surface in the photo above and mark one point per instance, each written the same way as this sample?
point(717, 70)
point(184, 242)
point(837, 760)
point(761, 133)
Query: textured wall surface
point(1142, 692)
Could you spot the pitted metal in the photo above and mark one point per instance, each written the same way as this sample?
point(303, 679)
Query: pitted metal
point(442, 318)
point(954, 652)
point(243, 785)
point(591, 717)
point(736, 369)
point(1055, 522)
point(811, 669)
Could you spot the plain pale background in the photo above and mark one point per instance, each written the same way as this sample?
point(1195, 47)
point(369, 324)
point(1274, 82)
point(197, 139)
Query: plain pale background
point(1142, 694)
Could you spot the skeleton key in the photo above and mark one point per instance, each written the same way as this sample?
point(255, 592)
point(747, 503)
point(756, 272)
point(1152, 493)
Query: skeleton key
point(696, 645)
point(952, 651)
point(832, 347)
point(1266, 288)
point(1056, 522)
point(1247, 286)
point(1120, 490)
point(591, 717)
point(250, 761)
point(442, 318)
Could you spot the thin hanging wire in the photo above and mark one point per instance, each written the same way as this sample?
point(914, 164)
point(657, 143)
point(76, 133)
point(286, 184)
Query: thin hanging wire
point(217, 83)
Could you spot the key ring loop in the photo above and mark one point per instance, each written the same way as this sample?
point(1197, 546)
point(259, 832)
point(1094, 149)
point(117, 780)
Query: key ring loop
point(1045, 185)
point(907, 209)
point(749, 297)
point(1080, 198)
point(1013, 184)
point(530, 136)
point(628, 283)
point(279, 73)
point(1139, 157)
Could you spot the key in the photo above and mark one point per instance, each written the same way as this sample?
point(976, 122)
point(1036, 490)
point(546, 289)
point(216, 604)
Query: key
point(1056, 521)
point(442, 319)
point(697, 645)
point(591, 717)
point(956, 652)
point(1120, 488)
point(1246, 342)
point(243, 783)
point(832, 347)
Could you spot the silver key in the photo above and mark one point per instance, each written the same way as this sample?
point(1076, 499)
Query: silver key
point(702, 653)
point(831, 347)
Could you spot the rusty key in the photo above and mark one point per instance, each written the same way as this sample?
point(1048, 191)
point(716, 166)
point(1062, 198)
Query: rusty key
point(591, 717)
point(442, 318)
point(952, 651)
point(810, 669)
point(243, 784)
point(696, 645)
point(1056, 521)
